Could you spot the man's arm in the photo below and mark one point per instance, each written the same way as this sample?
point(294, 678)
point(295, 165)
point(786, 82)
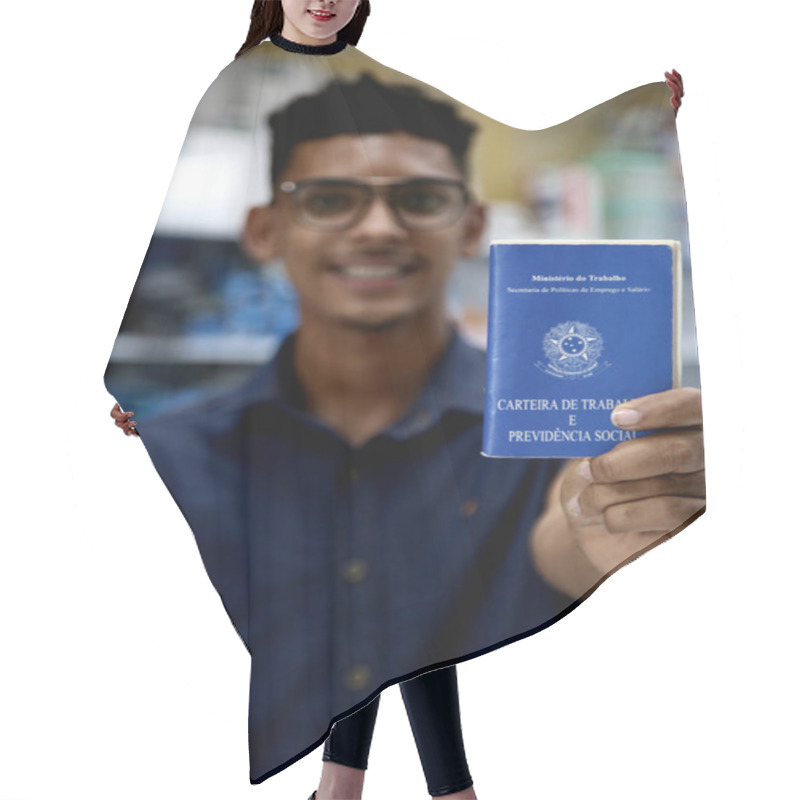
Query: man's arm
point(604, 511)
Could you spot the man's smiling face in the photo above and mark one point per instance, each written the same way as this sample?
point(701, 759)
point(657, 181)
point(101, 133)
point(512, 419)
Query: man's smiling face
point(376, 272)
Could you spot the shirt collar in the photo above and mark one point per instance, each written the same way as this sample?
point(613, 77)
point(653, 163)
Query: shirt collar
point(456, 382)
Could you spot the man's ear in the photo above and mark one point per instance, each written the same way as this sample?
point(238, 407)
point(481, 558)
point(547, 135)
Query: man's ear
point(473, 229)
point(258, 237)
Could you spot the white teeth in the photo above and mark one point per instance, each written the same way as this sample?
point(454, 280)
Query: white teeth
point(372, 272)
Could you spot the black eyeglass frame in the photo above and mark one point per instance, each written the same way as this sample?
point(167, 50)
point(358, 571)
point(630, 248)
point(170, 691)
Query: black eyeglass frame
point(378, 184)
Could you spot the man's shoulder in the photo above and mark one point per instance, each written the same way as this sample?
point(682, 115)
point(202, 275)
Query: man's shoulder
point(216, 412)
point(460, 378)
point(474, 355)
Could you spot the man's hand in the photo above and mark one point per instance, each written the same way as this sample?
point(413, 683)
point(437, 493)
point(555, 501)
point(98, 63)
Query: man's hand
point(122, 419)
point(604, 510)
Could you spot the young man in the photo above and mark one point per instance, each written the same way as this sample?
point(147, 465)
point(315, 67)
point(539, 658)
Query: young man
point(339, 499)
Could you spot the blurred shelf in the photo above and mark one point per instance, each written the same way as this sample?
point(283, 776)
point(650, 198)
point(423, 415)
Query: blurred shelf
point(217, 349)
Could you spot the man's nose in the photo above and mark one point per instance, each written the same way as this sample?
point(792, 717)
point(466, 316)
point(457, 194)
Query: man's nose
point(379, 219)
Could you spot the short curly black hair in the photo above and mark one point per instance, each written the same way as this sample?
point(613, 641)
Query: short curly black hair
point(366, 106)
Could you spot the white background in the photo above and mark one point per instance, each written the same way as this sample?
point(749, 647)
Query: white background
point(121, 676)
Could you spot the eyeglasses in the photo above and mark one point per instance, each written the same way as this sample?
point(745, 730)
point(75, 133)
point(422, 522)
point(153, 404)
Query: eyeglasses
point(335, 204)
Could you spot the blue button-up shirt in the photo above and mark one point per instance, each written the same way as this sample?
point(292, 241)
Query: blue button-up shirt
point(346, 569)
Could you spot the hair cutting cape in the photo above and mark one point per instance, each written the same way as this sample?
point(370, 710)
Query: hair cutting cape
point(345, 569)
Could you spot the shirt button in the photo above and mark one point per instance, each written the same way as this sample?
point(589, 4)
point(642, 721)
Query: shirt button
point(468, 508)
point(355, 570)
point(357, 677)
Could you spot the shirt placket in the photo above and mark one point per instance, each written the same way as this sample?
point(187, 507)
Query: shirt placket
point(356, 662)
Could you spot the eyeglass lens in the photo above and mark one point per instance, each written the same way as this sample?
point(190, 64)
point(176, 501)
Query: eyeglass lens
point(417, 204)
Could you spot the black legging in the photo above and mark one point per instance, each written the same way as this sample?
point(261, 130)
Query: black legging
point(432, 706)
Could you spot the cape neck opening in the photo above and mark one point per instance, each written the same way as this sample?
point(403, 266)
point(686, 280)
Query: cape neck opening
point(308, 49)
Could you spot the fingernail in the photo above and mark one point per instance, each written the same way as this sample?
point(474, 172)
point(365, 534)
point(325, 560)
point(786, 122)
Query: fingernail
point(573, 506)
point(585, 470)
point(625, 416)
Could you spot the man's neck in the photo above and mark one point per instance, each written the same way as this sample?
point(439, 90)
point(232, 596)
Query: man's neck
point(361, 380)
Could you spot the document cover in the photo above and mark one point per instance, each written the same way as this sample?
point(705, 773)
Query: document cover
point(576, 328)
